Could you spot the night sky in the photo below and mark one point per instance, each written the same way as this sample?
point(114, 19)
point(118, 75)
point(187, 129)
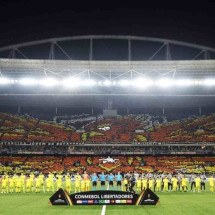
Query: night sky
point(27, 20)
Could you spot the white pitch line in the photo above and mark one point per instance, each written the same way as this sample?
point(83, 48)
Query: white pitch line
point(103, 209)
point(104, 206)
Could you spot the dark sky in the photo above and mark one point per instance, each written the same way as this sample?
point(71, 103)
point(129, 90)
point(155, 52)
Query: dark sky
point(27, 20)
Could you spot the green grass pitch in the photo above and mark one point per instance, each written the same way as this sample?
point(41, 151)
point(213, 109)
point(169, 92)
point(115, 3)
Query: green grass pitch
point(170, 203)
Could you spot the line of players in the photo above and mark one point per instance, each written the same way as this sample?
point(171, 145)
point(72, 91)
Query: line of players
point(167, 183)
point(85, 182)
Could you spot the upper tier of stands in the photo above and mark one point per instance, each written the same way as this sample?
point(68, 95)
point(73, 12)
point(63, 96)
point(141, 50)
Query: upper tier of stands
point(121, 129)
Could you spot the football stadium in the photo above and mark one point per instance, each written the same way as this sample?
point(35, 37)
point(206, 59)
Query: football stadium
point(107, 124)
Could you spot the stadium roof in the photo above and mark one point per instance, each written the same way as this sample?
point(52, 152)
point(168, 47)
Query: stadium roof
point(107, 70)
point(130, 47)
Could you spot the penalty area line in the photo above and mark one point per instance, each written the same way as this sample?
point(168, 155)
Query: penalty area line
point(104, 206)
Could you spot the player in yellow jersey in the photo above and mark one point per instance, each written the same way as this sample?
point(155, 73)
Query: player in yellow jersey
point(198, 183)
point(15, 177)
point(184, 184)
point(37, 185)
point(49, 184)
point(4, 184)
point(41, 178)
point(7, 181)
point(32, 176)
point(88, 182)
point(18, 184)
point(59, 183)
point(51, 177)
point(83, 185)
point(14, 181)
point(23, 178)
point(28, 184)
point(68, 184)
point(77, 182)
point(11, 184)
point(125, 184)
point(138, 185)
point(211, 183)
point(165, 184)
point(144, 183)
point(151, 183)
point(158, 184)
point(174, 183)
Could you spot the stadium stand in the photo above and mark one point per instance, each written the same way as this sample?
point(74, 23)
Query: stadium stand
point(71, 164)
point(78, 142)
point(122, 129)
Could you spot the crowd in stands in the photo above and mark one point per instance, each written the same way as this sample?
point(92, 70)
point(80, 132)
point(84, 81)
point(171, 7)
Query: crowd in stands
point(142, 164)
point(121, 129)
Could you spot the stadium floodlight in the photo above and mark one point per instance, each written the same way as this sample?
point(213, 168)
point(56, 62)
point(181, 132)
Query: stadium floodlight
point(164, 82)
point(4, 81)
point(107, 83)
point(72, 82)
point(28, 81)
point(99, 83)
point(124, 83)
point(89, 82)
point(185, 82)
point(142, 83)
point(209, 82)
point(48, 82)
point(114, 83)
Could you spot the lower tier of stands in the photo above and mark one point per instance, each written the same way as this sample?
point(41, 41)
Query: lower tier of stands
point(160, 164)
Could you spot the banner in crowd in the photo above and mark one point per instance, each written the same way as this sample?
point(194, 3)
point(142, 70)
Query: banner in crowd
point(7, 143)
point(182, 153)
point(104, 197)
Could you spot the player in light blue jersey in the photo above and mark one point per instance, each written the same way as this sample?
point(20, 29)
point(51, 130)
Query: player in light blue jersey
point(110, 180)
point(118, 178)
point(94, 181)
point(102, 178)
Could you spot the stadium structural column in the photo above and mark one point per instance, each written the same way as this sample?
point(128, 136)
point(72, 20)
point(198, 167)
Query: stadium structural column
point(200, 111)
point(56, 110)
point(129, 49)
point(12, 53)
point(52, 51)
point(168, 53)
point(206, 54)
point(19, 110)
point(91, 50)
